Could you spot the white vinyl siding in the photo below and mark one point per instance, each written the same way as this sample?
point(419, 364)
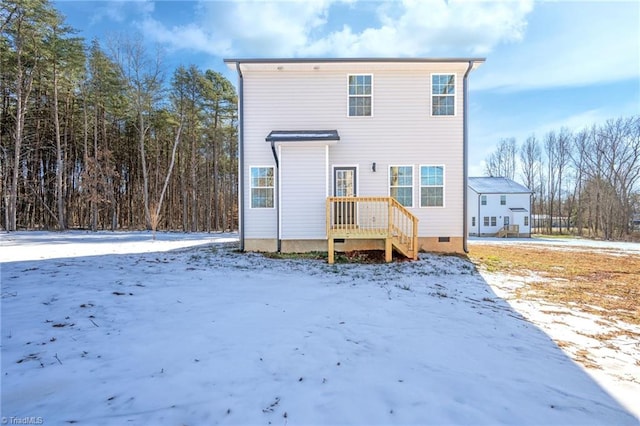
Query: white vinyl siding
point(431, 186)
point(303, 183)
point(402, 132)
point(401, 184)
point(360, 95)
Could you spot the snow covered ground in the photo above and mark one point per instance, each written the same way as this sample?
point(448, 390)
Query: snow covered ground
point(114, 328)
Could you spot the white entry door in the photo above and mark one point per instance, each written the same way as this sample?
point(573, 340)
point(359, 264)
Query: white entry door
point(344, 185)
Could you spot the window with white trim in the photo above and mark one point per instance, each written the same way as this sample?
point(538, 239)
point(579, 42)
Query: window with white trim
point(401, 184)
point(360, 95)
point(262, 187)
point(526, 221)
point(473, 221)
point(443, 94)
point(503, 200)
point(493, 221)
point(431, 186)
point(483, 200)
point(486, 221)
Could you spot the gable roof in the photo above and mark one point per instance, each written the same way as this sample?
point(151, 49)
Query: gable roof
point(496, 185)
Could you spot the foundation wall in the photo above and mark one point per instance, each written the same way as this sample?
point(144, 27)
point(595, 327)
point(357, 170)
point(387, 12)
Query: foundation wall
point(428, 244)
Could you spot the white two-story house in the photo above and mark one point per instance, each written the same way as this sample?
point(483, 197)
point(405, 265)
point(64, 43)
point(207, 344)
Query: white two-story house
point(347, 154)
point(498, 206)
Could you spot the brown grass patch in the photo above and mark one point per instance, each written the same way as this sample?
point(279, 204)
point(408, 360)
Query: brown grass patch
point(606, 284)
point(583, 357)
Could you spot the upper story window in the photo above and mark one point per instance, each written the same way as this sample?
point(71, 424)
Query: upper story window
point(431, 186)
point(262, 187)
point(483, 200)
point(401, 184)
point(360, 95)
point(503, 200)
point(443, 94)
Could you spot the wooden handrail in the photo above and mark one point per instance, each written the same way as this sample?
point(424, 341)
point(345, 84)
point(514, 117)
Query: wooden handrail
point(372, 218)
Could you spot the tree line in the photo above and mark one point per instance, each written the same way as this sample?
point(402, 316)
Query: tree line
point(585, 182)
point(96, 136)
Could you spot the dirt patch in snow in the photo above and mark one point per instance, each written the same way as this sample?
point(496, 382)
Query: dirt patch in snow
point(586, 299)
point(605, 284)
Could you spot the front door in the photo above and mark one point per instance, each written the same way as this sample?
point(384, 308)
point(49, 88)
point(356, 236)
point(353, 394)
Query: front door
point(344, 185)
point(506, 221)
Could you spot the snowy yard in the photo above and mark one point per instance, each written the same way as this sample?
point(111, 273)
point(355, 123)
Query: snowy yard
point(114, 328)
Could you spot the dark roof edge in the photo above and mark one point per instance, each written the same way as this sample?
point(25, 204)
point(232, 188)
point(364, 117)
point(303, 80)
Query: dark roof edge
point(302, 135)
point(346, 60)
point(500, 192)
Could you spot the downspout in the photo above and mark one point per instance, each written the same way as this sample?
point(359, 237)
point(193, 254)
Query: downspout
point(240, 155)
point(530, 213)
point(276, 198)
point(465, 173)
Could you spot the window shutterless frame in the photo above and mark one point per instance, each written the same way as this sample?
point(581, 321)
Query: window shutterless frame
point(400, 180)
point(432, 177)
point(262, 187)
point(443, 94)
point(359, 95)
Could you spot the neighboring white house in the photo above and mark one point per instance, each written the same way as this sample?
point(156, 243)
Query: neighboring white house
point(498, 206)
point(313, 129)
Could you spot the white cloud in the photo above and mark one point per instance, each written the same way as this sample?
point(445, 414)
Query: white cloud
point(569, 44)
point(118, 10)
point(300, 28)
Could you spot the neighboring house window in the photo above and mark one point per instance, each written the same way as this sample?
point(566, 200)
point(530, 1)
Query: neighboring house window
point(262, 185)
point(503, 200)
point(431, 186)
point(526, 221)
point(486, 220)
point(443, 94)
point(360, 95)
point(473, 221)
point(493, 221)
point(401, 184)
point(483, 200)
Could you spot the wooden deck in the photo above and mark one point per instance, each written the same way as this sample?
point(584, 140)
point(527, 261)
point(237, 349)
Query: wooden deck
point(509, 230)
point(372, 218)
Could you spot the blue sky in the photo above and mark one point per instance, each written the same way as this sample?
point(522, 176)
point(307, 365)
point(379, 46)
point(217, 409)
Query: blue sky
point(549, 64)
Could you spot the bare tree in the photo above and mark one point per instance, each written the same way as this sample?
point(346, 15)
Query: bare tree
point(502, 162)
point(144, 77)
point(578, 158)
point(563, 155)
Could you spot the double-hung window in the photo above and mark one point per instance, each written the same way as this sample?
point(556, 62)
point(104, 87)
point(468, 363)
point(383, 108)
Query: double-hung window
point(360, 95)
point(431, 186)
point(443, 94)
point(503, 200)
point(401, 184)
point(262, 187)
point(483, 200)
